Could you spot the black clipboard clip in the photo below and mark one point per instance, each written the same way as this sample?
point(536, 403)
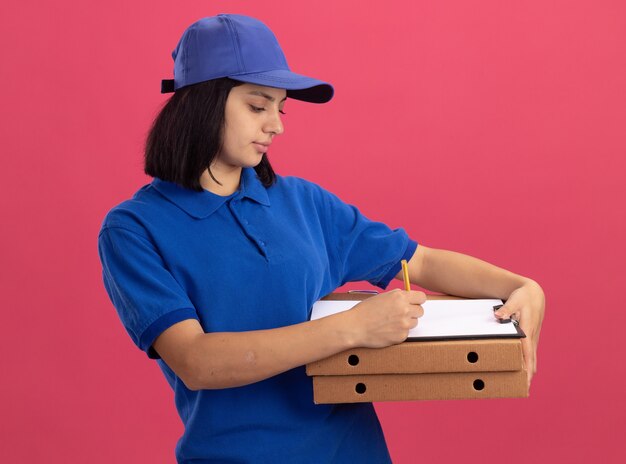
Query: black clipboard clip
point(504, 321)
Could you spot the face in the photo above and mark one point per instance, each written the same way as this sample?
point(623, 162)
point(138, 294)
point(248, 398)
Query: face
point(251, 120)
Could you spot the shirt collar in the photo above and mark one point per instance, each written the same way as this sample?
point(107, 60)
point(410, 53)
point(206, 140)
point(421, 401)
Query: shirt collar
point(202, 204)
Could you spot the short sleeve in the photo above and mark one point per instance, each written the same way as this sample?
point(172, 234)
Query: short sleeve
point(146, 296)
point(364, 249)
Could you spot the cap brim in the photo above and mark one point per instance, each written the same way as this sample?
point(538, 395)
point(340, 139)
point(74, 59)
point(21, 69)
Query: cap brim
point(298, 87)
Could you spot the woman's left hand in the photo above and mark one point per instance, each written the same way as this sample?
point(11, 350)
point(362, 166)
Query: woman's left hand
point(526, 304)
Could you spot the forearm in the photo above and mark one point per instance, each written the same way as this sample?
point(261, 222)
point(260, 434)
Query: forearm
point(462, 275)
point(231, 359)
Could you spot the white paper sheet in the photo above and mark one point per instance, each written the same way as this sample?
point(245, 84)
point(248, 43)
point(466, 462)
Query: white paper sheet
point(442, 318)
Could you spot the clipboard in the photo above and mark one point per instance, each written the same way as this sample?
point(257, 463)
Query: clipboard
point(445, 318)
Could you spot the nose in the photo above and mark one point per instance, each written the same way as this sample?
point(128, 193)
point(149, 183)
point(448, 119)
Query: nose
point(274, 124)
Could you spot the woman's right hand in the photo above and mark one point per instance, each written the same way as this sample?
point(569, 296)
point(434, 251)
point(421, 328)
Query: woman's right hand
point(386, 319)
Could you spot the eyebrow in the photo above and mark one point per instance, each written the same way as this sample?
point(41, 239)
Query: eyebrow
point(263, 94)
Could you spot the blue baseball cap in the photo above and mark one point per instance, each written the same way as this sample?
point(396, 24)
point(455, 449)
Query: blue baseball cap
point(241, 48)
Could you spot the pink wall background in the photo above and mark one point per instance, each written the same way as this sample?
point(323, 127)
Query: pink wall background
point(492, 128)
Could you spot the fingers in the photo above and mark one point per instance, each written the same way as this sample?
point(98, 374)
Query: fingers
point(528, 352)
point(529, 358)
point(505, 312)
point(412, 296)
point(416, 297)
point(415, 311)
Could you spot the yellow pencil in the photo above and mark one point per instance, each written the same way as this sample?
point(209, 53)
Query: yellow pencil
point(405, 274)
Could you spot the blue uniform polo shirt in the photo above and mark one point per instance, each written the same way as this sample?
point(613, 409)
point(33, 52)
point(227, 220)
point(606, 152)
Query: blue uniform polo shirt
point(257, 259)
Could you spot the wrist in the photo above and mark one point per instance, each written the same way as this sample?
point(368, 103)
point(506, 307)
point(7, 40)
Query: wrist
point(530, 284)
point(531, 290)
point(346, 330)
point(535, 289)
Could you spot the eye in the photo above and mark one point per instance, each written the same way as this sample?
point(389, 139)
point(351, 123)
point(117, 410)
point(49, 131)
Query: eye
point(257, 109)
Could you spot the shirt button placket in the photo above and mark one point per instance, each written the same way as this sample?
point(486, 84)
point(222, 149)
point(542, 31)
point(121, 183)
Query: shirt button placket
point(248, 229)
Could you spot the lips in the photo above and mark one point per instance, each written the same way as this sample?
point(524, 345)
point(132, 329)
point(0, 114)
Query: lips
point(262, 147)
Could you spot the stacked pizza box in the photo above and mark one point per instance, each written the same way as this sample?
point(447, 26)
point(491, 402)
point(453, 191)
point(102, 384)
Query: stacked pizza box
point(421, 370)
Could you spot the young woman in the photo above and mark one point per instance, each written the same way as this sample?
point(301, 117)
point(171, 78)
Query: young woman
point(214, 266)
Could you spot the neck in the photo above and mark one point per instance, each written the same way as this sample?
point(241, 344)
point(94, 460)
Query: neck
point(228, 177)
